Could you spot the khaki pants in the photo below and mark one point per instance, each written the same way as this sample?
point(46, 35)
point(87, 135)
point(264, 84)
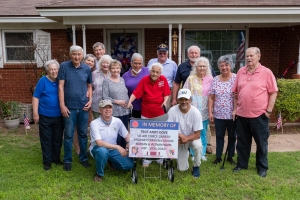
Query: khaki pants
point(183, 155)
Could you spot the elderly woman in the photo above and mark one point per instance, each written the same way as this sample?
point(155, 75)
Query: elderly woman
point(89, 59)
point(46, 112)
point(199, 83)
point(220, 107)
point(98, 78)
point(154, 90)
point(132, 78)
point(114, 89)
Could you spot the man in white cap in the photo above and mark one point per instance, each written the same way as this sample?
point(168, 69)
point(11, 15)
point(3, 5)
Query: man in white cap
point(189, 119)
point(103, 147)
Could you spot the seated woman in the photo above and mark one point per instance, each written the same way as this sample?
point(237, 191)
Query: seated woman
point(46, 112)
point(114, 89)
point(154, 90)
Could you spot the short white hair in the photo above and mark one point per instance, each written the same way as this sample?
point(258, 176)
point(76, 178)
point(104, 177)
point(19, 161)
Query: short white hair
point(50, 62)
point(157, 65)
point(75, 48)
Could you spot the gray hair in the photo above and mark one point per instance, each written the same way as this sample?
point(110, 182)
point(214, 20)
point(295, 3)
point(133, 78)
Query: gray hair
point(157, 65)
point(136, 55)
point(256, 49)
point(50, 62)
point(227, 59)
point(75, 48)
point(89, 56)
point(98, 44)
point(206, 62)
point(194, 46)
point(104, 57)
point(115, 62)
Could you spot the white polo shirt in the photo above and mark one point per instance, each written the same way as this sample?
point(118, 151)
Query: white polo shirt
point(100, 131)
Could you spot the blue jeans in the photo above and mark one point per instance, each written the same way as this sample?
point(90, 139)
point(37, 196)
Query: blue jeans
point(203, 138)
point(51, 134)
point(258, 128)
point(221, 126)
point(78, 118)
point(102, 155)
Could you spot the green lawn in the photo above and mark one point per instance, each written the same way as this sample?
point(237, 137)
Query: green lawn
point(22, 177)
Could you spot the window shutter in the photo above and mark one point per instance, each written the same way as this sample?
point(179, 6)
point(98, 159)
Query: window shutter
point(1, 51)
point(43, 47)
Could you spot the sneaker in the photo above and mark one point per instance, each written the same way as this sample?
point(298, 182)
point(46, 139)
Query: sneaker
point(204, 158)
point(97, 178)
point(67, 166)
point(160, 161)
point(196, 172)
point(47, 166)
point(145, 165)
point(146, 162)
point(218, 160)
point(231, 161)
point(85, 164)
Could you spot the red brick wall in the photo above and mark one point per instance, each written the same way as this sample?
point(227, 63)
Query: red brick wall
point(268, 41)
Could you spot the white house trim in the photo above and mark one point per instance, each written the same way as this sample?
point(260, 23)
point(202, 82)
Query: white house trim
point(26, 20)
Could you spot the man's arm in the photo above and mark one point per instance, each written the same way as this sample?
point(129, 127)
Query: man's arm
point(271, 103)
point(184, 139)
point(90, 93)
point(107, 145)
point(175, 90)
point(61, 95)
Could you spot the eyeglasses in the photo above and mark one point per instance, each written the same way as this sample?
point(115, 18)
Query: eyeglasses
point(201, 66)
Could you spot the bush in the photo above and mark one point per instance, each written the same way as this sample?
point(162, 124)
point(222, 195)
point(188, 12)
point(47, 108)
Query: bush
point(288, 99)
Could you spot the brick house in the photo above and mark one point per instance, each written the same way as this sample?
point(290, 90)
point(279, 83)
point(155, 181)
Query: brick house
point(218, 27)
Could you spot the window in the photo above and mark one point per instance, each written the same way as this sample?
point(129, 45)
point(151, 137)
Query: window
point(19, 46)
point(216, 43)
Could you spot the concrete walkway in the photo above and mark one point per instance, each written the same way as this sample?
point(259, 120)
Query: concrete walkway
point(277, 143)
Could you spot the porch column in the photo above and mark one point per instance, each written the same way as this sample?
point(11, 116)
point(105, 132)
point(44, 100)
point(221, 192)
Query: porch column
point(298, 66)
point(83, 40)
point(74, 34)
point(170, 41)
point(179, 43)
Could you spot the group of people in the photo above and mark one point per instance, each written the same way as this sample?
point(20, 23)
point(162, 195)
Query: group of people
point(81, 89)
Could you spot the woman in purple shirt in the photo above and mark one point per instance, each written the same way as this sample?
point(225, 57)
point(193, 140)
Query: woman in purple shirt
point(132, 77)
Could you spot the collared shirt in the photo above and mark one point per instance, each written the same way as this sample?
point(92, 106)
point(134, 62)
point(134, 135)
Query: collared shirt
point(153, 94)
point(109, 134)
point(199, 88)
point(76, 82)
point(131, 83)
point(98, 78)
point(169, 71)
point(253, 90)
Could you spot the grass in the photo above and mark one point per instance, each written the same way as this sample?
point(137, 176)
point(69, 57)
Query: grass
point(22, 177)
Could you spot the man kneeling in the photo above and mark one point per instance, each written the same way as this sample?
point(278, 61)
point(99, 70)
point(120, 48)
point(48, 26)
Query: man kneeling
point(190, 125)
point(103, 148)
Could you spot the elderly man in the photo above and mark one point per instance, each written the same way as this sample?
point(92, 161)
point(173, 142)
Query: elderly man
point(104, 133)
point(169, 67)
point(255, 91)
point(75, 82)
point(99, 51)
point(188, 118)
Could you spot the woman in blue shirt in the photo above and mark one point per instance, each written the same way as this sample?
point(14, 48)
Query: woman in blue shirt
point(46, 112)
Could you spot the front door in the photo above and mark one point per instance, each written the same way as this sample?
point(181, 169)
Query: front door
point(122, 44)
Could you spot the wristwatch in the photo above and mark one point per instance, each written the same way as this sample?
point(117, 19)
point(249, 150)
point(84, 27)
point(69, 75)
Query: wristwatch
point(269, 112)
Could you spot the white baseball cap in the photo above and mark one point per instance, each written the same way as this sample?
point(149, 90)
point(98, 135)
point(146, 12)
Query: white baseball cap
point(184, 93)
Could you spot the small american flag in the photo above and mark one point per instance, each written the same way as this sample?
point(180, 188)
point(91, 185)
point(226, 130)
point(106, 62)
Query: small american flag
point(279, 121)
point(240, 54)
point(26, 122)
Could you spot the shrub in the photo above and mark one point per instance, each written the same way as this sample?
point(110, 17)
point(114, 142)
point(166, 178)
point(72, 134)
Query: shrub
point(288, 99)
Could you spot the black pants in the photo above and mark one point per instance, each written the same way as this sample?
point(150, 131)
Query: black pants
point(51, 134)
point(258, 128)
